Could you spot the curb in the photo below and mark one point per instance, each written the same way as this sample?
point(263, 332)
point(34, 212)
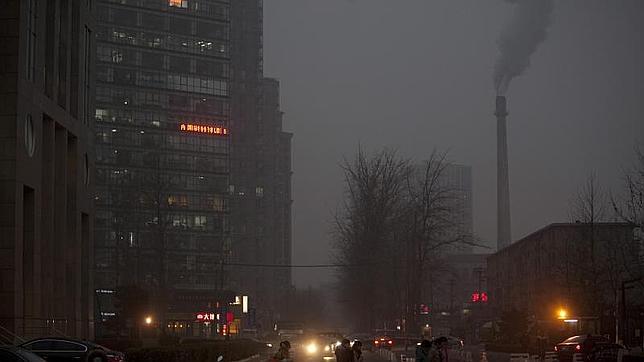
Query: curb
point(255, 356)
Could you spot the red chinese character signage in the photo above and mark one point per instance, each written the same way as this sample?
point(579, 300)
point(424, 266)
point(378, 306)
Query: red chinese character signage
point(424, 309)
point(197, 128)
point(205, 317)
point(479, 297)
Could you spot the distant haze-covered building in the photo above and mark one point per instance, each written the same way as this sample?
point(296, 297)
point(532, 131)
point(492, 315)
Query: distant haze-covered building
point(46, 169)
point(457, 179)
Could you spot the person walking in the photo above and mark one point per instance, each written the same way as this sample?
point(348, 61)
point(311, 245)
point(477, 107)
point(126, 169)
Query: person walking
point(441, 349)
point(423, 351)
point(343, 352)
point(357, 351)
point(284, 352)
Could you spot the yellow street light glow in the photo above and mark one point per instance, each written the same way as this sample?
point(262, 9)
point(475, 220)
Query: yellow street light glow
point(562, 313)
point(148, 320)
point(312, 348)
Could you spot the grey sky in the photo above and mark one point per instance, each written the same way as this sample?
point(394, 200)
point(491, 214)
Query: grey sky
point(417, 74)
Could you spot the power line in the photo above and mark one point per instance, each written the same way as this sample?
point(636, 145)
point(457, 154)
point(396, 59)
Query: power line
point(296, 265)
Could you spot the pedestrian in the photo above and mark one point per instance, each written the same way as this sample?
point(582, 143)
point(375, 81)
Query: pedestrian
point(423, 351)
point(441, 349)
point(357, 351)
point(343, 352)
point(283, 354)
point(587, 347)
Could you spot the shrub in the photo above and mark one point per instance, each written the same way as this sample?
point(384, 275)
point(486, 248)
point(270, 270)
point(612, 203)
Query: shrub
point(198, 352)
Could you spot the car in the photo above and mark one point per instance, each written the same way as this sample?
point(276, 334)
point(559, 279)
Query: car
point(319, 346)
point(65, 349)
point(578, 344)
point(383, 342)
point(18, 354)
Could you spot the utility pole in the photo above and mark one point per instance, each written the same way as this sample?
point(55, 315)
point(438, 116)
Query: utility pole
point(626, 284)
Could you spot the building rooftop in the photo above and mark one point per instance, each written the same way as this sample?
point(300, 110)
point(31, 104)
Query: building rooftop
point(543, 230)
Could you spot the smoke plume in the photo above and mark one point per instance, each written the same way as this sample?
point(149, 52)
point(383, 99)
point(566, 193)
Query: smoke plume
point(520, 39)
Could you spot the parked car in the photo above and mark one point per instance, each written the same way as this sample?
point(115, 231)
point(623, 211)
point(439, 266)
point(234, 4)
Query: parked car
point(18, 354)
point(578, 344)
point(64, 349)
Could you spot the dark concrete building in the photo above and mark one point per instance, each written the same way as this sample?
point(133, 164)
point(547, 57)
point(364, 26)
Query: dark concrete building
point(574, 267)
point(46, 168)
point(260, 171)
point(162, 155)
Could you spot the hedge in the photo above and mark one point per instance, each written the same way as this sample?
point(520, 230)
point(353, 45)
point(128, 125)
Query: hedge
point(232, 350)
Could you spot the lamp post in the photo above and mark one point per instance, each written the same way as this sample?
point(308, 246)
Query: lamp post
point(626, 284)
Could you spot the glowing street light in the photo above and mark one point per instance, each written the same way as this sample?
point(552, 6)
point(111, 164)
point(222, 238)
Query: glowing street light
point(562, 313)
point(148, 320)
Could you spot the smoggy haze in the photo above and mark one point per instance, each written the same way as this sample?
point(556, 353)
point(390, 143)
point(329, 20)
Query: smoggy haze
point(417, 74)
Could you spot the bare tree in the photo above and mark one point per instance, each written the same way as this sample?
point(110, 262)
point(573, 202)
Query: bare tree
point(595, 267)
point(391, 229)
point(366, 231)
point(628, 206)
point(432, 205)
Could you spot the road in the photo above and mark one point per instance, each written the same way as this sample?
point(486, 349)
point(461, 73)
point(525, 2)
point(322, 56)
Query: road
point(300, 356)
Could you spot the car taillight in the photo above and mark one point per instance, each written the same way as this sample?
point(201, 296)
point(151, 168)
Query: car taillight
point(376, 341)
point(578, 347)
point(391, 342)
point(556, 348)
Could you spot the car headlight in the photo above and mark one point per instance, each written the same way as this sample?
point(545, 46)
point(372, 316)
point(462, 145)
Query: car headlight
point(312, 348)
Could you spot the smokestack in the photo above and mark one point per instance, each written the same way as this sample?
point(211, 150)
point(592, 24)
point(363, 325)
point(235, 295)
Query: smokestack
point(504, 237)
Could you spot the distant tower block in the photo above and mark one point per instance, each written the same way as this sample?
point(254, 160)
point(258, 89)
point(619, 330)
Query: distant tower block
point(504, 237)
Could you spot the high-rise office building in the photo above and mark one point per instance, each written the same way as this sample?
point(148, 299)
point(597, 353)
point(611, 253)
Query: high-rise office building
point(260, 171)
point(46, 164)
point(162, 156)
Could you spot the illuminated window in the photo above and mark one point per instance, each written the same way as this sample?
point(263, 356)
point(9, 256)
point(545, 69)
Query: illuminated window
point(259, 191)
point(218, 204)
point(178, 3)
point(200, 221)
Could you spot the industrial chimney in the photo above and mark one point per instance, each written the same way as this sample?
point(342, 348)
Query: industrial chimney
point(502, 179)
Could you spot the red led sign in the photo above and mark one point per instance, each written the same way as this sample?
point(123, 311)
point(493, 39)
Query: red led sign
point(197, 128)
point(479, 297)
point(205, 317)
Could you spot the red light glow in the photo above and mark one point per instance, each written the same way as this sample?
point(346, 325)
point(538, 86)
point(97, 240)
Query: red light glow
point(196, 128)
point(479, 297)
point(578, 347)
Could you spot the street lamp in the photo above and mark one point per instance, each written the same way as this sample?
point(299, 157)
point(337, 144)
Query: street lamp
point(148, 320)
point(562, 313)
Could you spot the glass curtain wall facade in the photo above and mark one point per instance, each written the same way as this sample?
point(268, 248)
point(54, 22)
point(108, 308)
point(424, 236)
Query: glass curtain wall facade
point(162, 165)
